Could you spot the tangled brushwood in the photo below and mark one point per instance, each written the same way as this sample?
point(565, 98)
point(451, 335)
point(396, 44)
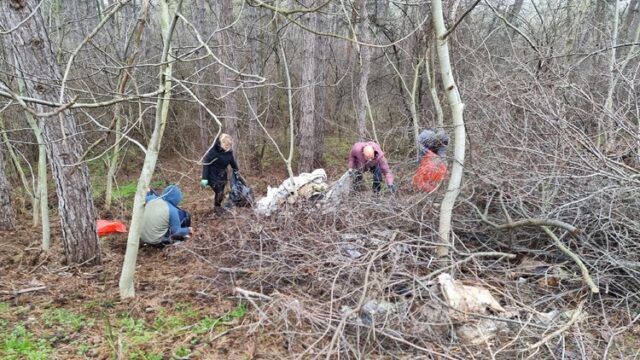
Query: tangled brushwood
point(360, 280)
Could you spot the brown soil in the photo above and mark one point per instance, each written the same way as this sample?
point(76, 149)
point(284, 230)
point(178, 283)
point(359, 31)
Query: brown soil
point(174, 283)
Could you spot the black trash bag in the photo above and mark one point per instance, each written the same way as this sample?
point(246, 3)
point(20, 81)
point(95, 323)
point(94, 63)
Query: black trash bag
point(241, 194)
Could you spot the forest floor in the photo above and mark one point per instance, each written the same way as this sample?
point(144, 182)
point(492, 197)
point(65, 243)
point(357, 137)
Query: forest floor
point(183, 307)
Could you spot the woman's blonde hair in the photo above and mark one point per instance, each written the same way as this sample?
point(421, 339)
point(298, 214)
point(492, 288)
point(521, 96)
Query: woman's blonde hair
point(226, 142)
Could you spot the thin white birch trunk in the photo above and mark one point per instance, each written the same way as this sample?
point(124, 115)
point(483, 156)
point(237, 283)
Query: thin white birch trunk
point(457, 107)
point(605, 126)
point(168, 18)
point(413, 95)
point(42, 193)
point(115, 156)
point(289, 159)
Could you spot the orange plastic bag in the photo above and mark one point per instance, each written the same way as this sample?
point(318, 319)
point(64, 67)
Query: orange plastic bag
point(106, 227)
point(430, 173)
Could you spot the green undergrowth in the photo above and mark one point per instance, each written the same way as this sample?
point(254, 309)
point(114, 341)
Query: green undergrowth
point(128, 190)
point(335, 153)
point(96, 329)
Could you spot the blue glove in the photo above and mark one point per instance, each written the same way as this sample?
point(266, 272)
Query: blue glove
point(204, 183)
point(393, 188)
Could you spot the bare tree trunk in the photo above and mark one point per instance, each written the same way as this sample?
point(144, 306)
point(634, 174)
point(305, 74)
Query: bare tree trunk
point(605, 126)
point(362, 103)
point(254, 95)
point(453, 11)
point(456, 106)
point(413, 97)
point(632, 17)
point(6, 211)
point(41, 191)
point(200, 18)
point(321, 111)
point(515, 10)
point(226, 77)
point(167, 16)
point(287, 76)
point(307, 128)
point(31, 47)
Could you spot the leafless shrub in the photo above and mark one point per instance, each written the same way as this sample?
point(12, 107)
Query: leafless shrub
point(361, 282)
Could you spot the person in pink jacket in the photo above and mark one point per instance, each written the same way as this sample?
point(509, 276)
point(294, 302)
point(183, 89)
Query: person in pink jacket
point(367, 156)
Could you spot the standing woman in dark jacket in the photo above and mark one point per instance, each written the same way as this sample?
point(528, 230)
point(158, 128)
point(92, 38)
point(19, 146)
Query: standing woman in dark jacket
point(214, 170)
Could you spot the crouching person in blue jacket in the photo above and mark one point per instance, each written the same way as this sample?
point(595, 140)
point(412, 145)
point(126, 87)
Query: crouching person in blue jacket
point(164, 222)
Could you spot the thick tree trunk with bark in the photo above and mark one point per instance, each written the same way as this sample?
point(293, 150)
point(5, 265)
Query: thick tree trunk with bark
point(32, 49)
point(362, 102)
point(6, 211)
point(254, 94)
point(307, 128)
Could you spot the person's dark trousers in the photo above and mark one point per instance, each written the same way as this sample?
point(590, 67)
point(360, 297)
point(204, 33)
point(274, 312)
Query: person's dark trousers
point(219, 190)
point(185, 218)
point(377, 178)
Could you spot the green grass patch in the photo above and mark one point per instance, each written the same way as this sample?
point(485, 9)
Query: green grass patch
point(336, 152)
point(136, 330)
point(4, 307)
point(22, 344)
point(128, 190)
point(99, 304)
point(209, 324)
point(143, 355)
point(58, 333)
point(170, 323)
point(182, 352)
point(65, 319)
point(187, 310)
point(83, 349)
point(237, 313)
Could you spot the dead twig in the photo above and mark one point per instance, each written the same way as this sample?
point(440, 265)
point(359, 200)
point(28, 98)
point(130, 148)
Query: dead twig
point(585, 273)
point(23, 291)
point(574, 317)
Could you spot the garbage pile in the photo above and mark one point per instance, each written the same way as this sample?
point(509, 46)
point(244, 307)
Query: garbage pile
point(307, 186)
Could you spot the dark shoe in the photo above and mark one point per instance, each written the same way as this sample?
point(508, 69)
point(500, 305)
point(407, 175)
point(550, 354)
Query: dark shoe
point(219, 211)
